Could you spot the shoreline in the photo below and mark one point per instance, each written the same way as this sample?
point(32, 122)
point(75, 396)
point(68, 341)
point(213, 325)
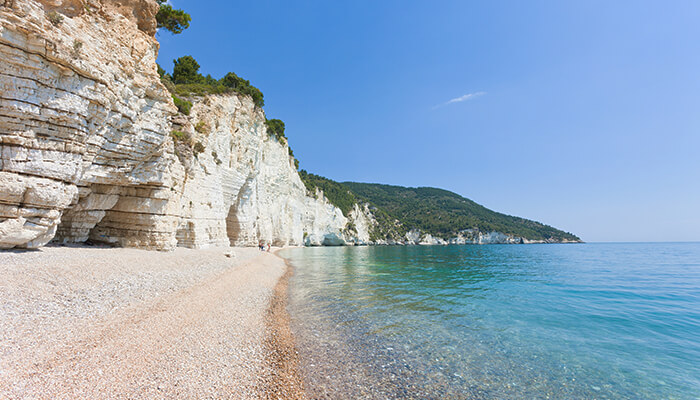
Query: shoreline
point(284, 380)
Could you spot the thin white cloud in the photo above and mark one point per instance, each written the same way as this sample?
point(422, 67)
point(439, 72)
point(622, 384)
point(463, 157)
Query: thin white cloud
point(460, 99)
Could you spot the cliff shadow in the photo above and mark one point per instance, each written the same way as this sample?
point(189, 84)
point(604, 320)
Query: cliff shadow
point(233, 225)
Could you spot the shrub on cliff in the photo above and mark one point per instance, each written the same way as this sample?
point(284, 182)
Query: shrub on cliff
point(198, 89)
point(183, 106)
point(202, 127)
point(180, 136)
point(243, 86)
point(291, 154)
point(189, 82)
point(198, 148)
point(171, 19)
point(275, 127)
point(54, 17)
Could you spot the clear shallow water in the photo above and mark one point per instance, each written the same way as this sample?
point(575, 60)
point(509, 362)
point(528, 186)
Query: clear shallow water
point(590, 321)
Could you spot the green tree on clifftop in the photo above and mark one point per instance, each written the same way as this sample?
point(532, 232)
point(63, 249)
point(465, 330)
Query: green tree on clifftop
point(171, 19)
point(186, 81)
point(243, 86)
point(186, 70)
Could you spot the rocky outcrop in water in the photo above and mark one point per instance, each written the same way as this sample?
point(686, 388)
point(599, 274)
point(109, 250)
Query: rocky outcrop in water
point(470, 236)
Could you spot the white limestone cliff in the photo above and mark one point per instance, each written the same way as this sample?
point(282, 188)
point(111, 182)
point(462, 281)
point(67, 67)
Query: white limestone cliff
point(467, 236)
point(82, 116)
point(243, 186)
point(86, 151)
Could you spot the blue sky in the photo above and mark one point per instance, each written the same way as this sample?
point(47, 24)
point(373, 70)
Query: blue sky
point(584, 115)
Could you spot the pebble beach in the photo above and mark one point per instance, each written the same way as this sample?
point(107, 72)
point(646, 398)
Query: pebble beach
point(93, 322)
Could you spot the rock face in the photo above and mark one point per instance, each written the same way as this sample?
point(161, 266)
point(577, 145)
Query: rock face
point(467, 236)
point(242, 186)
point(473, 236)
point(83, 122)
point(86, 151)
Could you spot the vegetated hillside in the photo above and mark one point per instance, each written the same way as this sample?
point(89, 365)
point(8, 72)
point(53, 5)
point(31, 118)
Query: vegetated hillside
point(443, 213)
point(337, 194)
point(342, 197)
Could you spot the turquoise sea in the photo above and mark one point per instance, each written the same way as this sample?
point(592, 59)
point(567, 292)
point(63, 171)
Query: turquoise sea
point(579, 321)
